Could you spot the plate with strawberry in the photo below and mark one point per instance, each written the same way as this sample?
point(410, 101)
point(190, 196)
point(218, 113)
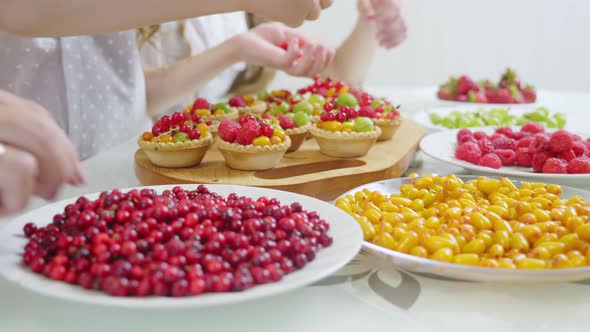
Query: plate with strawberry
point(508, 90)
point(527, 152)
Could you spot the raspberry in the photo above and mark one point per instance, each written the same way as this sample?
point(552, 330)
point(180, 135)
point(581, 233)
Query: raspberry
point(479, 135)
point(286, 122)
point(246, 118)
point(504, 143)
point(539, 160)
point(491, 160)
point(561, 141)
point(249, 131)
point(524, 157)
point(237, 101)
point(579, 165)
point(508, 157)
point(579, 148)
point(485, 145)
point(566, 155)
point(496, 136)
point(533, 127)
point(228, 130)
point(555, 166)
point(201, 103)
point(464, 135)
point(540, 143)
point(506, 131)
point(519, 135)
point(524, 142)
point(469, 152)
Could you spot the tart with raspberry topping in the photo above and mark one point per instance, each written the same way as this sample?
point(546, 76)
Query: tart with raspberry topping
point(250, 144)
point(248, 105)
point(214, 112)
point(343, 134)
point(177, 141)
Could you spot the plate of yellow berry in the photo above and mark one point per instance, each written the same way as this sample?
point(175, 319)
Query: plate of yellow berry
point(476, 228)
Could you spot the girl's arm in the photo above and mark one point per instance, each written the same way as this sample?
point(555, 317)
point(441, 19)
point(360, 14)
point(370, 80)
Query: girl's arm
point(379, 24)
point(165, 86)
point(67, 17)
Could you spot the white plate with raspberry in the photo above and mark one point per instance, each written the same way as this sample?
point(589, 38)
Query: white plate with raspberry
point(190, 249)
point(541, 164)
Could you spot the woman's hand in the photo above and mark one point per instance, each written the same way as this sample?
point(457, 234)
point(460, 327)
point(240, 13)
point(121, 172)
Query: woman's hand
point(391, 27)
point(278, 46)
point(291, 12)
point(36, 155)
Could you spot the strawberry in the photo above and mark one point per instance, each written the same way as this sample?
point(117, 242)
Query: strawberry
point(500, 96)
point(444, 93)
point(509, 78)
point(529, 94)
point(466, 84)
point(477, 97)
point(515, 93)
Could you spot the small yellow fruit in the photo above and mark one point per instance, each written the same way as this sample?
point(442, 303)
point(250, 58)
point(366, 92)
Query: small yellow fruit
point(276, 140)
point(203, 129)
point(260, 141)
point(279, 133)
point(203, 112)
point(332, 126)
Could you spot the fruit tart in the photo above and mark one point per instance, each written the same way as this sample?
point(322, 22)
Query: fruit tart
point(296, 126)
point(343, 134)
point(384, 115)
point(251, 144)
point(248, 105)
point(180, 140)
point(213, 112)
point(509, 90)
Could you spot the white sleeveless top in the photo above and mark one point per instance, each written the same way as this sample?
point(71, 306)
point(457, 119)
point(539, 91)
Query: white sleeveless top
point(169, 46)
point(92, 85)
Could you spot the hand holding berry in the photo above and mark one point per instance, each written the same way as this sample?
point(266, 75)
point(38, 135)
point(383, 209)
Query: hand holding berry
point(391, 27)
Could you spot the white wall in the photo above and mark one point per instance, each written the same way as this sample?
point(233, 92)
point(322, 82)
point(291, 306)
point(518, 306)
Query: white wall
point(546, 41)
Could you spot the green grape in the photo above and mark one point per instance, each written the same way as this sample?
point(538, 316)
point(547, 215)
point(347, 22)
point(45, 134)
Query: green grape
point(282, 108)
point(559, 119)
point(223, 106)
point(376, 103)
point(303, 106)
point(317, 99)
point(521, 121)
point(492, 121)
point(363, 125)
point(300, 118)
point(290, 115)
point(461, 123)
point(550, 123)
point(435, 118)
point(499, 112)
point(543, 110)
point(263, 95)
point(181, 137)
point(536, 116)
point(477, 123)
point(455, 114)
point(448, 123)
point(347, 99)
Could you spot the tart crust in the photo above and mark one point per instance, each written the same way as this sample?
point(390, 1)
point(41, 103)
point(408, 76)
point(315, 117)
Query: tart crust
point(388, 127)
point(297, 136)
point(250, 157)
point(258, 107)
point(345, 145)
point(177, 155)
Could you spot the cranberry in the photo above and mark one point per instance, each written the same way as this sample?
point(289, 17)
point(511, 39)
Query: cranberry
point(29, 229)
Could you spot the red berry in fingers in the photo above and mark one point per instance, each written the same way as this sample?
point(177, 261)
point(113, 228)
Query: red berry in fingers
point(561, 141)
point(228, 130)
point(524, 157)
point(468, 152)
point(237, 101)
point(555, 165)
point(580, 165)
point(508, 157)
point(491, 160)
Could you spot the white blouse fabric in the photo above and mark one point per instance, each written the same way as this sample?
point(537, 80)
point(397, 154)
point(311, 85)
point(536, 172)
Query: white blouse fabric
point(178, 40)
point(92, 85)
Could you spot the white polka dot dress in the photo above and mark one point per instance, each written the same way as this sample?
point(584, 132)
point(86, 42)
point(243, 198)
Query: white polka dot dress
point(92, 85)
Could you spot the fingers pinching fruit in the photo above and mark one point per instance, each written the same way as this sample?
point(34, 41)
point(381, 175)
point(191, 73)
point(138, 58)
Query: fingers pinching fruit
point(391, 27)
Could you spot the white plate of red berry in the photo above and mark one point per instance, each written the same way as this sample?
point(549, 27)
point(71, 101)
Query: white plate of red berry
point(527, 152)
point(168, 247)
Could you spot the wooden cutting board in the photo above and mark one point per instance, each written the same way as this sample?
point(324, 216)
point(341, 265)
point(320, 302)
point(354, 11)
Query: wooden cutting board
point(305, 171)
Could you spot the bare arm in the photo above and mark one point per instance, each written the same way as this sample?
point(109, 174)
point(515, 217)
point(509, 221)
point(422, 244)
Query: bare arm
point(77, 17)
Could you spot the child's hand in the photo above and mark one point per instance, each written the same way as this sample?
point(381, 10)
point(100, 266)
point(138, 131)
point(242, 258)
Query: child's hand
point(278, 46)
point(391, 27)
point(291, 12)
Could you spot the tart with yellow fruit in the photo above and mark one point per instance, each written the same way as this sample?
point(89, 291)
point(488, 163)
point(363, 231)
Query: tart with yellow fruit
point(250, 144)
point(296, 126)
point(248, 105)
point(343, 134)
point(177, 141)
point(211, 112)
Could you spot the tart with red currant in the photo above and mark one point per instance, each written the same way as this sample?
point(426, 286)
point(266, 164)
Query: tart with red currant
point(248, 105)
point(177, 141)
point(342, 133)
point(384, 115)
point(213, 112)
point(251, 144)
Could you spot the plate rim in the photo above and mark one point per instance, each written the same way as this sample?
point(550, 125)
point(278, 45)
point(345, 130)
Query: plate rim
point(97, 298)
